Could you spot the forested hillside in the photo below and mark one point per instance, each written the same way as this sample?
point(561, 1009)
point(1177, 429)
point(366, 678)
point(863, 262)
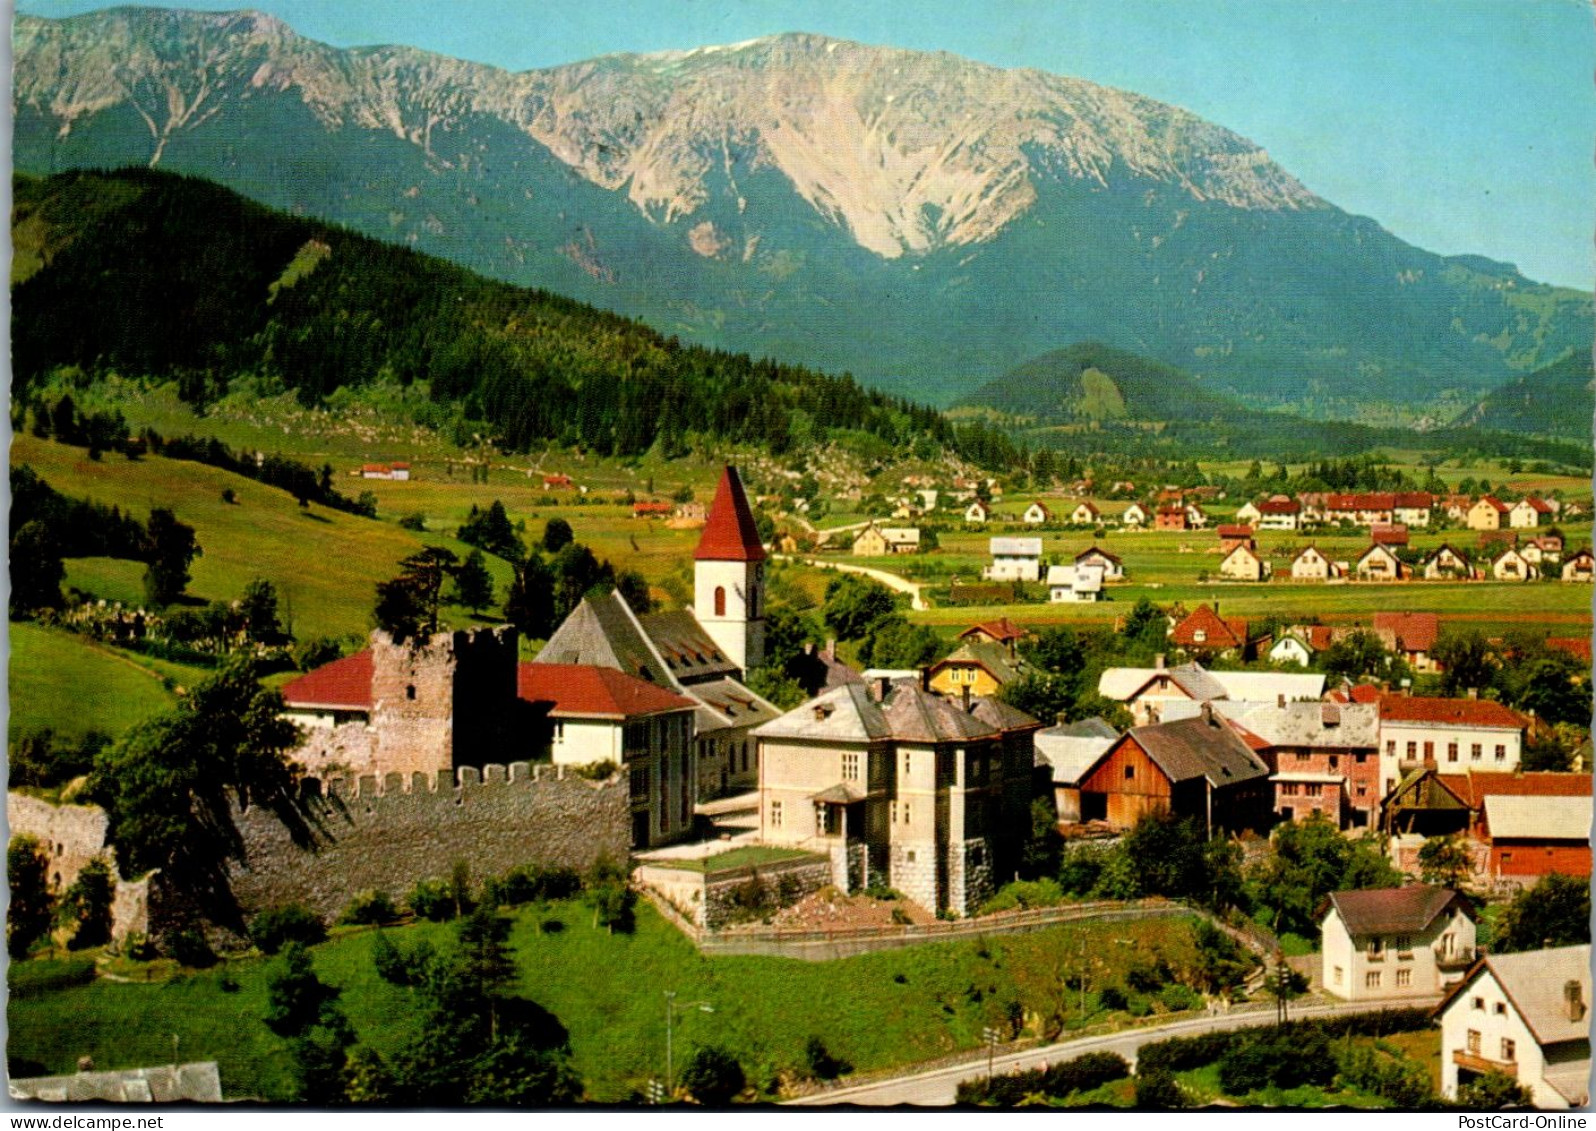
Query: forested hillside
point(155, 275)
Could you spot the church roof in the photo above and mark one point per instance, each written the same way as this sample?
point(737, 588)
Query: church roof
point(730, 534)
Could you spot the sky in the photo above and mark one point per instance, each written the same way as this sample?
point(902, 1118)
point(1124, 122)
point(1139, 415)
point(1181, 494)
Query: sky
point(1462, 126)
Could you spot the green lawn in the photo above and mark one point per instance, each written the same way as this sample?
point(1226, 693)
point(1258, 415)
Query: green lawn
point(71, 685)
point(876, 1010)
point(749, 856)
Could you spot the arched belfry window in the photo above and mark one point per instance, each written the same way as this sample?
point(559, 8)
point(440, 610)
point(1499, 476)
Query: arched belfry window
point(720, 600)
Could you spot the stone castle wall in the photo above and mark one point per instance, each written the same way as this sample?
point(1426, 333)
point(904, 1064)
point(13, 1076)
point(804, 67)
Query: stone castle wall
point(71, 836)
point(349, 748)
point(385, 836)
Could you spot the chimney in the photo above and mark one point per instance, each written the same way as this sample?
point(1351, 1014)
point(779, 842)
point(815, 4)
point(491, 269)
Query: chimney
point(831, 649)
point(925, 679)
point(1574, 999)
point(883, 685)
point(822, 712)
point(966, 690)
point(1474, 693)
point(1158, 661)
point(1208, 715)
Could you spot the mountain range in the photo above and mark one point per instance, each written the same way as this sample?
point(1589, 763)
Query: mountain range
point(920, 220)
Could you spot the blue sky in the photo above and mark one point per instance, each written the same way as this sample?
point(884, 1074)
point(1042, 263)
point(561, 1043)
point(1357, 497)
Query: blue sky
point(1460, 125)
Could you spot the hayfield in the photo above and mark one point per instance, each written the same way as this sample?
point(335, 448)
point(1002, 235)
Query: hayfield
point(71, 685)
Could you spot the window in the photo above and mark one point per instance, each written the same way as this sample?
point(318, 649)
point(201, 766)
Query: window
point(850, 767)
point(1474, 1041)
point(1376, 949)
point(1335, 762)
point(1315, 790)
point(1371, 980)
point(906, 812)
point(410, 691)
point(720, 600)
point(907, 763)
point(1474, 751)
point(1501, 753)
point(1501, 1009)
point(1509, 1050)
point(1363, 789)
point(1479, 1004)
point(1413, 749)
point(1405, 977)
point(1359, 757)
point(911, 856)
point(894, 812)
point(775, 814)
point(559, 732)
point(1335, 976)
point(1288, 789)
point(1130, 773)
point(1451, 752)
point(1390, 747)
point(1429, 751)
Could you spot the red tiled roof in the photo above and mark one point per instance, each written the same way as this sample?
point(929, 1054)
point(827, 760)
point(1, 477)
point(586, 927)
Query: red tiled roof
point(1098, 550)
point(1457, 712)
point(1233, 531)
point(1474, 787)
point(1413, 500)
point(374, 467)
point(401, 467)
point(1360, 693)
point(652, 508)
point(343, 685)
point(1369, 501)
point(1417, 631)
point(1539, 505)
point(1576, 646)
point(1218, 633)
point(580, 691)
point(1394, 534)
point(1002, 630)
point(730, 535)
point(1500, 506)
point(1279, 506)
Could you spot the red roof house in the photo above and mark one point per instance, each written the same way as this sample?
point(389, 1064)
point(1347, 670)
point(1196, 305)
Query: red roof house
point(343, 685)
point(1205, 631)
point(580, 691)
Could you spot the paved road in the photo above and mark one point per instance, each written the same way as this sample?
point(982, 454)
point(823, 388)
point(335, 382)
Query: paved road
point(938, 1087)
point(890, 580)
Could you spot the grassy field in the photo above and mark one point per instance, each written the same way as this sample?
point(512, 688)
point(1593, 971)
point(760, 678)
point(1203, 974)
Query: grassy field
point(876, 1010)
point(71, 685)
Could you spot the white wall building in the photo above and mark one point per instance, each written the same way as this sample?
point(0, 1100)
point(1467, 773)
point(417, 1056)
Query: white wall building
point(1455, 734)
point(1395, 942)
point(1015, 559)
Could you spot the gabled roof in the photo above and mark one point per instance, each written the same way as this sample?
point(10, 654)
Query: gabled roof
point(1494, 503)
point(1231, 633)
point(1413, 500)
point(730, 534)
point(1534, 981)
point(578, 691)
point(1070, 753)
point(685, 647)
point(919, 716)
point(1358, 693)
point(1041, 506)
point(1537, 504)
point(343, 685)
point(1395, 911)
point(1315, 724)
point(1380, 549)
point(1279, 506)
point(1015, 547)
point(1098, 551)
point(1233, 530)
point(1124, 684)
point(995, 658)
point(844, 714)
point(1389, 534)
point(1451, 712)
point(1003, 630)
point(1310, 549)
point(1423, 788)
point(603, 632)
point(1445, 547)
point(1241, 548)
point(999, 714)
point(1200, 747)
point(1417, 632)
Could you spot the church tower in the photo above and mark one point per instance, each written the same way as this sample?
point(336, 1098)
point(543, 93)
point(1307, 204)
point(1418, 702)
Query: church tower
point(729, 576)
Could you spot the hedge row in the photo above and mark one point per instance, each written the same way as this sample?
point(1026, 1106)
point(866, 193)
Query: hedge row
point(1056, 1081)
point(1177, 1054)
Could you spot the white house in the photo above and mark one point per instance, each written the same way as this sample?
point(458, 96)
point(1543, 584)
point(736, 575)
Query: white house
point(1447, 563)
point(1379, 563)
point(1248, 513)
point(1243, 564)
point(1528, 513)
point(1395, 942)
point(1196, 517)
point(1510, 565)
point(1278, 513)
point(1112, 566)
point(1135, 516)
point(977, 511)
point(1074, 583)
point(1085, 514)
point(1525, 1015)
point(1300, 643)
point(1312, 565)
point(1580, 566)
point(1455, 734)
point(1036, 514)
point(1015, 559)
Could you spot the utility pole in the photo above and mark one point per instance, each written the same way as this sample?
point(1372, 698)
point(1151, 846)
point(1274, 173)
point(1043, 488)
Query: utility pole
point(670, 1020)
point(990, 1036)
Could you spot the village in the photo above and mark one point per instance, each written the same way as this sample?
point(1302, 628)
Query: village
point(840, 809)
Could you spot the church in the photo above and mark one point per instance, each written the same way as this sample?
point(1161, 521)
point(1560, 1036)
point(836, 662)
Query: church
point(704, 653)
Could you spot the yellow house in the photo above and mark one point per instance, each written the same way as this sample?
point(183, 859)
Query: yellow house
point(978, 668)
point(1489, 513)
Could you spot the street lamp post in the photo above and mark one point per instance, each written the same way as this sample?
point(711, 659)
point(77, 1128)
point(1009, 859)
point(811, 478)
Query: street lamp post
point(670, 1019)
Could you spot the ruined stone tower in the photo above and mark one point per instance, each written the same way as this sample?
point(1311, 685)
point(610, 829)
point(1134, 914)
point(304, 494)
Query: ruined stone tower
point(443, 702)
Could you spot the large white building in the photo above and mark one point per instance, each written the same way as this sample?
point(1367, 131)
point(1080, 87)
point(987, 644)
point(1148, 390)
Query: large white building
point(1524, 1015)
point(1454, 734)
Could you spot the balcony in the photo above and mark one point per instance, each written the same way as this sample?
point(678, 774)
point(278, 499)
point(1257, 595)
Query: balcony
point(1474, 1062)
point(1457, 960)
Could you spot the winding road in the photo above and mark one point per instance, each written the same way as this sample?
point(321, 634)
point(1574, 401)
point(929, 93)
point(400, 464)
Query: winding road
point(938, 1087)
point(890, 580)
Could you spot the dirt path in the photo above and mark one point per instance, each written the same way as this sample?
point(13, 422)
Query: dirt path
point(891, 580)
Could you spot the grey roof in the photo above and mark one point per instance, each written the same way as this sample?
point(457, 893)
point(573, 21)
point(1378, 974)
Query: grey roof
point(851, 714)
point(919, 716)
point(1094, 727)
point(844, 714)
point(187, 1083)
point(1199, 748)
point(1336, 726)
point(1071, 755)
point(1124, 683)
point(1000, 715)
point(736, 705)
point(1535, 979)
point(1538, 818)
point(602, 633)
point(1269, 686)
point(685, 647)
point(1393, 911)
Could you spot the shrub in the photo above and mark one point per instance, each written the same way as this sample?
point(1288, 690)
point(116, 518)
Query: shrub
point(530, 883)
point(820, 1063)
point(86, 905)
point(189, 947)
point(369, 908)
point(136, 946)
point(1286, 1057)
point(1112, 998)
point(1404, 1083)
point(431, 900)
point(1177, 997)
point(1082, 1074)
point(275, 927)
point(1024, 894)
point(416, 522)
point(713, 1076)
point(1157, 1089)
point(596, 771)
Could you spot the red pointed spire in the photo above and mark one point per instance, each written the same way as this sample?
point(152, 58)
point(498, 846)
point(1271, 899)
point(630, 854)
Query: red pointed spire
point(730, 535)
